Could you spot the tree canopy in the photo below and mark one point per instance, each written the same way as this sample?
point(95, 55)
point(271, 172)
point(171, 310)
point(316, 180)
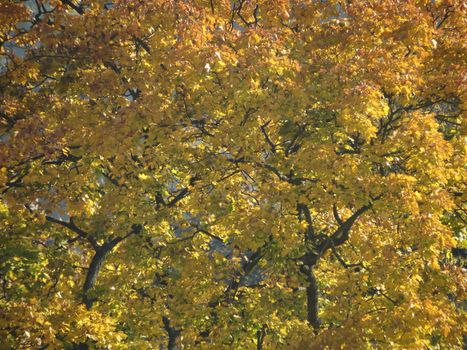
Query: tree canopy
point(243, 174)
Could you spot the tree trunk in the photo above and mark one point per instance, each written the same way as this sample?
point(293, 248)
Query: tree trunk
point(312, 300)
point(173, 334)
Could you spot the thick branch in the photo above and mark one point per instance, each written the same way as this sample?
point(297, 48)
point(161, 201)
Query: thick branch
point(72, 227)
point(94, 268)
point(247, 268)
point(78, 9)
point(260, 334)
point(312, 307)
point(182, 194)
point(304, 213)
point(310, 259)
point(336, 214)
point(98, 261)
point(172, 332)
point(341, 235)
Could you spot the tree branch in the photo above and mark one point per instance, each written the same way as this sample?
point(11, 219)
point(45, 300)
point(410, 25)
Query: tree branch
point(336, 214)
point(312, 307)
point(72, 227)
point(98, 261)
point(78, 9)
point(342, 261)
point(172, 332)
point(267, 138)
point(304, 212)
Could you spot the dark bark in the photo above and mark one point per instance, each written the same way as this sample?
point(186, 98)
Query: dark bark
point(339, 237)
point(260, 334)
point(247, 268)
point(72, 227)
point(101, 252)
point(98, 261)
point(173, 334)
point(78, 9)
point(94, 268)
point(312, 300)
point(304, 214)
point(312, 256)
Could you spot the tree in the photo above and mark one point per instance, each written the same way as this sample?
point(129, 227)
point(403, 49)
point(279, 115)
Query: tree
point(232, 174)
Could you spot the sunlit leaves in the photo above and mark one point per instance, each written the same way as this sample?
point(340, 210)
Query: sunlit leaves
point(171, 172)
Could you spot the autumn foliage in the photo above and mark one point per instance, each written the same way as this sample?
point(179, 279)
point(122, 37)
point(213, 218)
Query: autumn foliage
point(243, 174)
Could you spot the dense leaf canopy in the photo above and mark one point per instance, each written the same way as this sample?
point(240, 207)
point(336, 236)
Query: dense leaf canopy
point(244, 174)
